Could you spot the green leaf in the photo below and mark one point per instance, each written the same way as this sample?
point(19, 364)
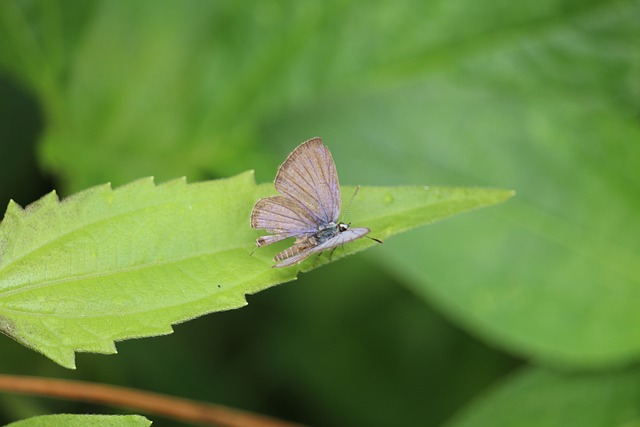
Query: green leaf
point(160, 89)
point(542, 106)
point(73, 420)
point(542, 97)
point(105, 265)
point(540, 398)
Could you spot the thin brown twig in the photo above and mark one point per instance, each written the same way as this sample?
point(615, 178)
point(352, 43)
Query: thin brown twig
point(136, 400)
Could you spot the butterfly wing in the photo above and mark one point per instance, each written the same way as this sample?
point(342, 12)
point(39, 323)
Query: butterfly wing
point(338, 240)
point(309, 201)
point(308, 176)
point(283, 218)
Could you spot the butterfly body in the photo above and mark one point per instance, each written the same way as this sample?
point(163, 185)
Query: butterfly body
point(307, 208)
point(329, 232)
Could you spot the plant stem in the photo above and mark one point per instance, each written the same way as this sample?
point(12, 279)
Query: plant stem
point(153, 403)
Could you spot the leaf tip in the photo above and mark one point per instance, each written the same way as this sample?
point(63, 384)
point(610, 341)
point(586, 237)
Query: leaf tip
point(14, 208)
point(251, 175)
point(509, 194)
point(179, 181)
point(500, 195)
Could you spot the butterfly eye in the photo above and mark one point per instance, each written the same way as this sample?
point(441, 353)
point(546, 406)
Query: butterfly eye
point(343, 227)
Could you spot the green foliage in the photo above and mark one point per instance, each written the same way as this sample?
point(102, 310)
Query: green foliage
point(555, 275)
point(104, 265)
point(536, 397)
point(72, 420)
point(542, 97)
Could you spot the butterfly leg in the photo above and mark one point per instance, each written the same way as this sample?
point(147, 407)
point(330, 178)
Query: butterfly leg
point(254, 249)
point(332, 251)
point(317, 260)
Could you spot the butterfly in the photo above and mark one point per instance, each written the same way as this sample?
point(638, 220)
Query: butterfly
point(307, 208)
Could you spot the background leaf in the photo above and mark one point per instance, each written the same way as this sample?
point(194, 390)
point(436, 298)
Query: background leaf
point(556, 273)
point(535, 397)
point(542, 97)
point(72, 420)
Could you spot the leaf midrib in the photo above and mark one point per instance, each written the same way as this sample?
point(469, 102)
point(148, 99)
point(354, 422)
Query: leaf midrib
point(115, 272)
point(74, 230)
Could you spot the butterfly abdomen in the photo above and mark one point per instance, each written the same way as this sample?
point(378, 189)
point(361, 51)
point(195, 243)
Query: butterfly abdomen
point(300, 246)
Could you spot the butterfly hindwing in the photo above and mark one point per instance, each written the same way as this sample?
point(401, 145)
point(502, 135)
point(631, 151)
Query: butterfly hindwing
point(282, 217)
point(303, 253)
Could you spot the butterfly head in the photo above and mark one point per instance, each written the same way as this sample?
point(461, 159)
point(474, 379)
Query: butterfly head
point(343, 227)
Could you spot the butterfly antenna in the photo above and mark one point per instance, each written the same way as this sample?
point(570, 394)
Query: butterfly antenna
point(374, 239)
point(347, 210)
point(350, 201)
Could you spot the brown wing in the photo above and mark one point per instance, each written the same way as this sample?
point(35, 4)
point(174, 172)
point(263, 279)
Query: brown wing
point(301, 245)
point(309, 178)
point(282, 217)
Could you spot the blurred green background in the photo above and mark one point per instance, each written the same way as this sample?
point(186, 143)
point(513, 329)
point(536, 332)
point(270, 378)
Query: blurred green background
point(527, 313)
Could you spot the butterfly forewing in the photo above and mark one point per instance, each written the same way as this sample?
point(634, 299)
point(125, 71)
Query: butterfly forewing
point(309, 177)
